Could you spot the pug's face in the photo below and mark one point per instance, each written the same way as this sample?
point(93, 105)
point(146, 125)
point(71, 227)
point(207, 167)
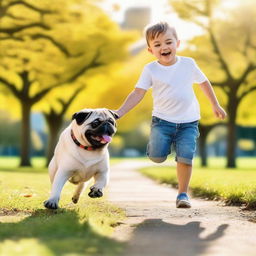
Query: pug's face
point(96, 126)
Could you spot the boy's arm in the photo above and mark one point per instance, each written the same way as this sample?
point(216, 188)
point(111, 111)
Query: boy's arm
point(209, 92)
point(131, 101)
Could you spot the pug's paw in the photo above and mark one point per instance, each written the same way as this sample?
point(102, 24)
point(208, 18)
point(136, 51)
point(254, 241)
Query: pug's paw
point(75, 199)
point(95, 192)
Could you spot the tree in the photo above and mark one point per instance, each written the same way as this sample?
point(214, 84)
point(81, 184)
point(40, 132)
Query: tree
point(208, 120)
point(55, 120)
point(47, 46)
point(229, 45)
point(121, 81)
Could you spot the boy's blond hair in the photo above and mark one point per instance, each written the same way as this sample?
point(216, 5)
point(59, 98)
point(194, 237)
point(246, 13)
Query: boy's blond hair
point(154, 30)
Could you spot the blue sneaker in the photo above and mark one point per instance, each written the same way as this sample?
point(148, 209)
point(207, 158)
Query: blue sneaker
point(182, 201)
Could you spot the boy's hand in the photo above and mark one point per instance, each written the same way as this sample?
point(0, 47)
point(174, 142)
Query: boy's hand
point(219, 112)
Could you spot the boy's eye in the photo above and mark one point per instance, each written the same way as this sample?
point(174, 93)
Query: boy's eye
point(157, 45)
point(169, 43)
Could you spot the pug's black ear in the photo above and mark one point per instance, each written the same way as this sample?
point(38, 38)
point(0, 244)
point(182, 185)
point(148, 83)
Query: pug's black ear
point(114, 114)
point(81, 117)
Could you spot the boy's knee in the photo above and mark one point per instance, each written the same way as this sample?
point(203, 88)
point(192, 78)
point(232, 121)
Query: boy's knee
point(158, 159)
point(184, 161)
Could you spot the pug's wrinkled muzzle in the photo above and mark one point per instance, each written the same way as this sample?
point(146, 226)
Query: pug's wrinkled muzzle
point(100, 135)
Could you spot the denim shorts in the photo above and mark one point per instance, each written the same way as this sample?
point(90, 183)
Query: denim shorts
point(165, 135)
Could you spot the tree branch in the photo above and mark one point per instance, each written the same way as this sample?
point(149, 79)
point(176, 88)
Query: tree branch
point(83, 70)
point(5, 8)
point(11, 87)
point(52, 115)
point(11, 31)
point(253, 88)
point(219, 55)
point(65, 105)
point(246, 44)
point(221, 85)
point(218, 84)
point(194, 8)
point(54, 42)
point(14, 17)
point(11, 38)
point(93, 64)
point(243, 77)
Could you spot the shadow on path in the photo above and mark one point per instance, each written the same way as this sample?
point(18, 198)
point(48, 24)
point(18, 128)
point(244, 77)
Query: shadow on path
point(156, 237)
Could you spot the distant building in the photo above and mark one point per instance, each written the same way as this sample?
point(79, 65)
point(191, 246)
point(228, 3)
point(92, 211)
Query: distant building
point(136, 18)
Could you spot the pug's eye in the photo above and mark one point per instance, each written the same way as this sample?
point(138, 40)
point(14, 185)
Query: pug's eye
point(95, 123)
point(111, 121)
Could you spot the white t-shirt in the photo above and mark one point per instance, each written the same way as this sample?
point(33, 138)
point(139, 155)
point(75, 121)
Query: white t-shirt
point(173, 94)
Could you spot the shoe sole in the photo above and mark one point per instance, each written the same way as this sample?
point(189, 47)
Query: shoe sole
point(183, 204)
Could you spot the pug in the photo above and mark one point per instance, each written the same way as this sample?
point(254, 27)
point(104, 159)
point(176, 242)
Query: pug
point(82, 153)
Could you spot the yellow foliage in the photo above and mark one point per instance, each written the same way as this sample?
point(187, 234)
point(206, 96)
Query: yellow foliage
point(246, 144)
point(144, 128)
point(247, 111)
point(233, 43)
point(77, 32)
point(207, 115)
point(117, 143)
point(119, 82)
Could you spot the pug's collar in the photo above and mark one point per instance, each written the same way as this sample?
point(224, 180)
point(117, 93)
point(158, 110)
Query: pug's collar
point(79, 144)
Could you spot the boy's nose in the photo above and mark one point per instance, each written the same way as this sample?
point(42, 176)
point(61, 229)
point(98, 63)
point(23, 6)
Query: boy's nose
point(164, 47)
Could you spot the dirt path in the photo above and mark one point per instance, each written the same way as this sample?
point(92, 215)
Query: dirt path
point(154, 227)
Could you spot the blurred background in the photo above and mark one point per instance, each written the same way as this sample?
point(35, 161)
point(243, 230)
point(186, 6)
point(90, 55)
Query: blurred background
point(57, 57)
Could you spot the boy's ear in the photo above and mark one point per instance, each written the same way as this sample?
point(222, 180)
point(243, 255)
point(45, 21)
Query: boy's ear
point(178, 43)
point(149, 50)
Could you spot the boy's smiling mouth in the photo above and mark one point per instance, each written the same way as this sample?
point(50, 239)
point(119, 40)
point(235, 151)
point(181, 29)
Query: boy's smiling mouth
point(166, 53)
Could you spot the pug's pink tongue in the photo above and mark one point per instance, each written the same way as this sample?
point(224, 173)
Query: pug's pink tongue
point(106, 139)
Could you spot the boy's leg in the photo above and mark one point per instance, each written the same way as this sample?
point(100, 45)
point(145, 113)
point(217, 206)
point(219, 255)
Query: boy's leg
point(183, 174)
point(185, 149)
point(186, 136)
point(160, 140)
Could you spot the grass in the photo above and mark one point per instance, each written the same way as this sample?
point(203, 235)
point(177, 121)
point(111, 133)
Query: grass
point(27, 228)
point(233, 186)
point(13, 162)
point(8, 163)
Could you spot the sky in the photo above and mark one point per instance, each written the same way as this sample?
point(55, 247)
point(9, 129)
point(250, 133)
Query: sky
point(158, 7)
point(161, 10)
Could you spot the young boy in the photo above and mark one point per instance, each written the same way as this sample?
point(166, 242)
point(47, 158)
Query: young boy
point(176, 110)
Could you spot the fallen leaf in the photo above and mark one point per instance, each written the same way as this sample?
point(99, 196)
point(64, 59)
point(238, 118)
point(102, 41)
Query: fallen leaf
point(27, 195)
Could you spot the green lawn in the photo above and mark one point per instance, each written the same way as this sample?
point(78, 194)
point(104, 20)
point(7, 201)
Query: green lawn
point(234, 186)
point(27, 228)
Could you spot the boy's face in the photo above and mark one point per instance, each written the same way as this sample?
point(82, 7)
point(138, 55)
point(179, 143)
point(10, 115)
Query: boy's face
point(164, 48)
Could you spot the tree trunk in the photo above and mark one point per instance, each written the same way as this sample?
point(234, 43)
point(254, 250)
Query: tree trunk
point(202, 145)
point(54, 122)
point(231, 136)
point(52, 140)
point(25, 135)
